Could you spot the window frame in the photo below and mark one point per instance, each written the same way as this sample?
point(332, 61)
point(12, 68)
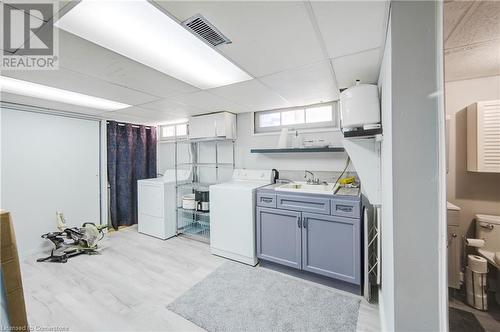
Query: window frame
point(322, 126)
point(174, 137)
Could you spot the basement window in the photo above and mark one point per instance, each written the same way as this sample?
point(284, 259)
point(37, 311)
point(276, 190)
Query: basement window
point(173, 131)
point(306, 117)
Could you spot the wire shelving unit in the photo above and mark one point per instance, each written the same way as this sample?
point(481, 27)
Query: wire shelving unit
point(192, 223)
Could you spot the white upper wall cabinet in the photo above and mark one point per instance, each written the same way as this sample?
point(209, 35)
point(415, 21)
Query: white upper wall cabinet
point(216, 125)
point(483, 137)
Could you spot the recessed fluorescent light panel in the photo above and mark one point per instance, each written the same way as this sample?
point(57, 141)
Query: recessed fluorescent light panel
point(19, 87)
point(142, 32)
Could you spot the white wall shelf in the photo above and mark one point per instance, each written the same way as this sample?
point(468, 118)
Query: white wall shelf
point(298, 150)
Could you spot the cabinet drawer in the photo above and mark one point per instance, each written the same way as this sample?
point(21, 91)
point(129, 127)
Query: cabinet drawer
point(266, 200)
point(303, 203)
point(345, 208)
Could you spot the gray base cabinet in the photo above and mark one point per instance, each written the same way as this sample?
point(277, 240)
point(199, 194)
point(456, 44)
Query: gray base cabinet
point(321, 243)
point(330, 246)
point(279, 237)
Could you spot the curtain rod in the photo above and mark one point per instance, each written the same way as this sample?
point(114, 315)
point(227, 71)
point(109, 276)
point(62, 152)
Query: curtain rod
point(121, 124)
point(48, 111)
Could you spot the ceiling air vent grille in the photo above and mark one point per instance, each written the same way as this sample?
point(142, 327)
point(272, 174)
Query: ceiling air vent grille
point(206, 30)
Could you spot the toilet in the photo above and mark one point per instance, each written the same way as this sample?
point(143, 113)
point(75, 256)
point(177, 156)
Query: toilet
point(488, 229)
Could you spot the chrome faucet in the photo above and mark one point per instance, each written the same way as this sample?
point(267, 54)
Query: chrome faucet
point(312, 179)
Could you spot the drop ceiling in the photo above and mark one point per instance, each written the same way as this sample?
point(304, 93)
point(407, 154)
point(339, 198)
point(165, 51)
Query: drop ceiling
point(298, 53)
point(472, 39)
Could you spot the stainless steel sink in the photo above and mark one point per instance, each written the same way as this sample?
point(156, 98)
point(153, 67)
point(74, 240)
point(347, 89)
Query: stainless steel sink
point(303, 187)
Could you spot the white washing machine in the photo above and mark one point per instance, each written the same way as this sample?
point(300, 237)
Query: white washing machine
point(156, 204)
point(232, 215)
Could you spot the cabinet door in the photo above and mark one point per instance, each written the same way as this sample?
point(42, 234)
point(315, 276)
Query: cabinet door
point(453, 257)
point(202, 126)
point(331, 246)
point(279, 236)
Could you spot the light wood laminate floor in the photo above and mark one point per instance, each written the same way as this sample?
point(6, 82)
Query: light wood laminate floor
point(128, 287)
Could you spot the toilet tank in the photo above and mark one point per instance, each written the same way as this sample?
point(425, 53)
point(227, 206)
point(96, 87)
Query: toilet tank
point(488, 229)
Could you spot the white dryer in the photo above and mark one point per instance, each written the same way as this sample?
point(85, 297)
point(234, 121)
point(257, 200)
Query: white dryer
point(232, 215)
point(156, 204)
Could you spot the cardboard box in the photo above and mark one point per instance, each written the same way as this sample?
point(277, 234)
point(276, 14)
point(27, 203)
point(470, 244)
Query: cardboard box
point(11, 274)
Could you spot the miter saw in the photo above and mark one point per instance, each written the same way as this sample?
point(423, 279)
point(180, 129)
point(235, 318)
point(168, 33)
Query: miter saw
point(74, 241)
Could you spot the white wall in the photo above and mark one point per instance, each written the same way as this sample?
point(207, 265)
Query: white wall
point(411, 186)
point(49, 163)
point(416, 132)
point(386, 296)
point(297, 161)
point(473, 192)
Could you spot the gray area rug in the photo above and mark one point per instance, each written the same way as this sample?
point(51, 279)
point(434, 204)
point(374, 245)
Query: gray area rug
point(463, 321)
point(236, 297)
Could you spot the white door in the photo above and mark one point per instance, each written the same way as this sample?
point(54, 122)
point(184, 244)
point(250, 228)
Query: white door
point(49, 163)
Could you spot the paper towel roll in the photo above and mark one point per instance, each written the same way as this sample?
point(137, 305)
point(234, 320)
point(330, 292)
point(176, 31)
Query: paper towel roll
point(478, 243)
point(283, 141)
point(477, 264)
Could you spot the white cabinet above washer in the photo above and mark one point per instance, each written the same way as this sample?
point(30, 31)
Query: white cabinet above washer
point(215, 125)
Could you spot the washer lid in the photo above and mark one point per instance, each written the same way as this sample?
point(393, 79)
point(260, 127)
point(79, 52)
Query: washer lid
point(182, 175)
point(488, 218)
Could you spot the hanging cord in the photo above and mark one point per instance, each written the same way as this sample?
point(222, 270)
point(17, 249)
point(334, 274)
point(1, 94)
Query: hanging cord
point(348, 161)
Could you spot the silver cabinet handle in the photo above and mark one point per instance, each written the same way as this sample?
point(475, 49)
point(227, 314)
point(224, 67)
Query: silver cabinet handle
point(453, 235)
point(304, 223)
point(488, 226)
point(299, 222)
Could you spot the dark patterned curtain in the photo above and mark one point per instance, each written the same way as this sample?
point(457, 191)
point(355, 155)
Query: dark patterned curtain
point(131, 157)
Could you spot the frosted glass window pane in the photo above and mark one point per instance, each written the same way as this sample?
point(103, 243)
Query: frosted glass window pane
point(269, 120)
point(182, 129)
point(292, 117)
point(319, 114)
point(168, 131)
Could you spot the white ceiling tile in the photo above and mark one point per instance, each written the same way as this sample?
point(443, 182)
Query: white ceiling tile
point(172, 107)
point(48, 104)
point(267, 36)
point(307, 85)
point(351, 26)
point(85, 57)
point(116, 116)
point(73, 81)
point(253, 95)
point(363, 66)
point(454, 11)
point(480, 24)
point(208, 102)
point(468, 63)
point(60, 7)
point(147, 114)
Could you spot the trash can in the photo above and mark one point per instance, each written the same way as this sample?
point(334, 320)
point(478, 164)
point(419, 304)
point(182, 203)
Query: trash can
point(476, 282)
